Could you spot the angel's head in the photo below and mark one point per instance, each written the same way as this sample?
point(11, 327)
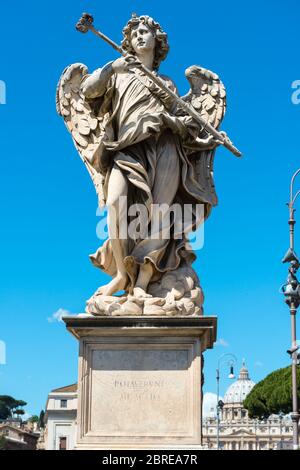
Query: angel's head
point(142, 33)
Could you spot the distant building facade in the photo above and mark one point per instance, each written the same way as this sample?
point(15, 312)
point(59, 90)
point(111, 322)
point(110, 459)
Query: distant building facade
point(238, 431)
point(60, 418)
point(17, 436)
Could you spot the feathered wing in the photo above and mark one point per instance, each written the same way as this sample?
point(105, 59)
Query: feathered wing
point(208, 97)
point(207, 94)
point(83, 121)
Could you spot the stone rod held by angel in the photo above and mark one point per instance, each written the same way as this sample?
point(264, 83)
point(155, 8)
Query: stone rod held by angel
point(142, 142)
point(86, 23)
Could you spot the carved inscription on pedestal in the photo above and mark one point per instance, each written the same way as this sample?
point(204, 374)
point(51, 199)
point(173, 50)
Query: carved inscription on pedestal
point(142, 392)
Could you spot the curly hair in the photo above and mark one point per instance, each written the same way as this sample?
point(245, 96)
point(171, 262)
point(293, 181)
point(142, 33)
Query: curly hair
point(162, 45)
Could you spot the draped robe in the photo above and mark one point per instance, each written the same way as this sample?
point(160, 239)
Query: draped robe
point(147, 140)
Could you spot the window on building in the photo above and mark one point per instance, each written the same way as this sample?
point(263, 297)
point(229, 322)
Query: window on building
point(63, 403)
point(63, 443)
point(243, 414)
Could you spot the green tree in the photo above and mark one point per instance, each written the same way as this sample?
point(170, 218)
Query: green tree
point(272, 394)
point(8, 405)
point(19, 412)
point(33, 419)
point(21, 403)
point(42, 419)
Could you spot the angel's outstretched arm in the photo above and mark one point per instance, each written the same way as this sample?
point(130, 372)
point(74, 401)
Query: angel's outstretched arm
point(94, 85)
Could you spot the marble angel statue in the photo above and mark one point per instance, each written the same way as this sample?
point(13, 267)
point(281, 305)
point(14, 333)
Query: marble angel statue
point(139, 145)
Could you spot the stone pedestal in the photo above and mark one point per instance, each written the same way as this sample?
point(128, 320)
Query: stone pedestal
point(139, 381)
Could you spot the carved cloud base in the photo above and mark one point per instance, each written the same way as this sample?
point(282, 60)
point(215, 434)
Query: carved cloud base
point(178, 293)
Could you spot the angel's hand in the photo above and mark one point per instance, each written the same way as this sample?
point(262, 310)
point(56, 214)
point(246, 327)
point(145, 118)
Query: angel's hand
point(223, 133)
point(215, 142)
point(125, 64)
point(208, 142)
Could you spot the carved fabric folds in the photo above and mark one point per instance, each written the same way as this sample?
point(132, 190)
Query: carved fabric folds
point(147, 142)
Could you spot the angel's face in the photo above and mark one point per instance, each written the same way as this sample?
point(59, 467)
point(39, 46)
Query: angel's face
point(142, 39)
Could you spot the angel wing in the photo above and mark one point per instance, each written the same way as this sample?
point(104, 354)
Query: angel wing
point(82, 121)
point(208, 97)
point(207, 94)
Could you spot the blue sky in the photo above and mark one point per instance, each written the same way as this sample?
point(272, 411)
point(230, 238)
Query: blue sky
point(48, 204)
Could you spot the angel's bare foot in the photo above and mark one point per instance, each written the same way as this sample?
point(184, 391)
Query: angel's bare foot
point(139, 293)
point(117, 283)
point(140, 289)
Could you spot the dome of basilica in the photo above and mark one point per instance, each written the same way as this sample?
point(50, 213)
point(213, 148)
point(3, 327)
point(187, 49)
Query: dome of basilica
point(238, 391)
